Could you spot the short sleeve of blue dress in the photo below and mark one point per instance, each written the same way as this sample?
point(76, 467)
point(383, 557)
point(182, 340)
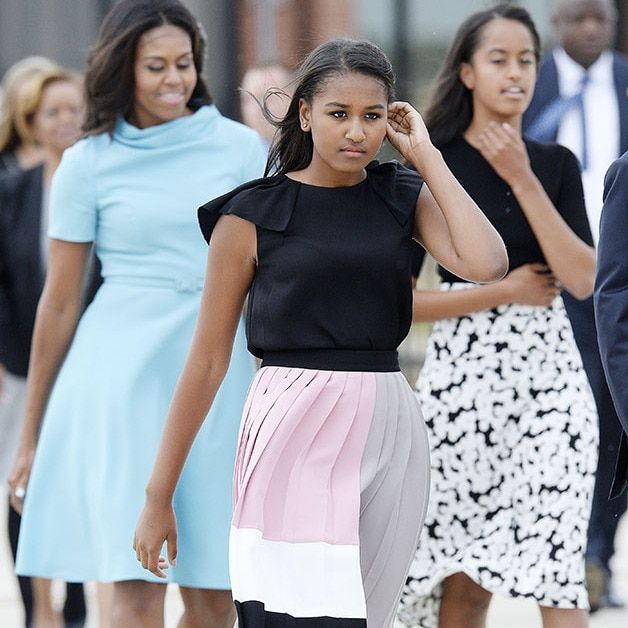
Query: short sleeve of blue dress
point(73, 208)
point(334, 264)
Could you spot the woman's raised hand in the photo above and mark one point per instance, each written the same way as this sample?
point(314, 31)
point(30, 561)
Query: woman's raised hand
point(531, 284)
point(406, 130)
point(504, 150)
point(155, 526)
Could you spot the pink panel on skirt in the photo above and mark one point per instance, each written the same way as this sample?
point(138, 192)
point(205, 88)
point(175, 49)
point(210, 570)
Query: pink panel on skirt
point(297, 475)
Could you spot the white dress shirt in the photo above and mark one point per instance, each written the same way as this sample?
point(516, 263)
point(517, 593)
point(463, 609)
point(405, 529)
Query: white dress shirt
point(602, 124)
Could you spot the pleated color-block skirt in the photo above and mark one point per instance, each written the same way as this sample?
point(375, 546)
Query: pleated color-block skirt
point(330, 493)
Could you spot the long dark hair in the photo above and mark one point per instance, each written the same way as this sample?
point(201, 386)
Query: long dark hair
point(110, 78)
point(292, 148)
point(450, 110)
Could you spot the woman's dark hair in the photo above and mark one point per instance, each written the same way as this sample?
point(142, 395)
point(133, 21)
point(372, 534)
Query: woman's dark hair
point(110, 78)
point(292, 147)
point(450, 109)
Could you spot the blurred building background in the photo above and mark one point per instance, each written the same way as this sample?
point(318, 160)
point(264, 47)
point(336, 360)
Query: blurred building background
point(241, 33)
point(245, 33)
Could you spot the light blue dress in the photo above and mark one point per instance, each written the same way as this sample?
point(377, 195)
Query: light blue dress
point(136, 196)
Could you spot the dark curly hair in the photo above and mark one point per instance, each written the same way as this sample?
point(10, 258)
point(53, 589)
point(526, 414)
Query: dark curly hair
point(110, 78)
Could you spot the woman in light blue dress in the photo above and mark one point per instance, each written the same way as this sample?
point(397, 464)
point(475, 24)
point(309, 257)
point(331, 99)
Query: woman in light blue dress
point(102, 388)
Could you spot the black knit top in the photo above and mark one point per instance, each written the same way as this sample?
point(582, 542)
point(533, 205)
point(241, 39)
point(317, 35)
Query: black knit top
point(558, 172)
point(332, 287)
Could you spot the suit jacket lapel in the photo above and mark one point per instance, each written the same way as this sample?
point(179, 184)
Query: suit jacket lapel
point(545, 92)
point(620, 76)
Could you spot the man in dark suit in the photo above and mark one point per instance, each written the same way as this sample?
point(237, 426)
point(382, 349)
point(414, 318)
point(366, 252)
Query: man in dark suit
point(611, 298)
point(581, 101)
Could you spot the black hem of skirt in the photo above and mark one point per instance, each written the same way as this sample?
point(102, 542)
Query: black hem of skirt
point(252, 614)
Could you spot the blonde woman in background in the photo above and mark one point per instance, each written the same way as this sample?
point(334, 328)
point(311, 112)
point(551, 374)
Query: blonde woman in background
point(18, 150)
point(41, 117)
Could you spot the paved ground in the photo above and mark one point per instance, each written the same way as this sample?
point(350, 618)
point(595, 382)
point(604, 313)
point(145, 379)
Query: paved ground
point(504, 613)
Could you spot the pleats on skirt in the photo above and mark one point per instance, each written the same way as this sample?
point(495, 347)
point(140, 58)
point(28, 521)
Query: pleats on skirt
point(330, 494)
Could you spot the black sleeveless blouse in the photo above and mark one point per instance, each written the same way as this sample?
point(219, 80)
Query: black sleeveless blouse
point(332, 287)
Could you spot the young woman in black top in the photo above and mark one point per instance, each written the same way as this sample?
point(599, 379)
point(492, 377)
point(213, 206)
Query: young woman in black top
point(331, 478)
point(509, 411)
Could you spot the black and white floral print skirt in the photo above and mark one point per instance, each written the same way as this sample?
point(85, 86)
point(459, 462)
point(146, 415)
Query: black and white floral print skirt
point(513, 437)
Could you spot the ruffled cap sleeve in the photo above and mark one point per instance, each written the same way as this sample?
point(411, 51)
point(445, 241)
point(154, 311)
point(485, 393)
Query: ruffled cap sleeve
point(397, 186)
point(266, 202)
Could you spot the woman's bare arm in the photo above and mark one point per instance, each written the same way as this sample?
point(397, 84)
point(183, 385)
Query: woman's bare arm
point(452, 228)
point(58, 313)
point(572, 261)
point(448, 222)
point(230, 270)
point(530, 284)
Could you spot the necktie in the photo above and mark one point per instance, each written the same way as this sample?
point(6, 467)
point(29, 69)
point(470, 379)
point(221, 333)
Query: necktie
point(544, 127)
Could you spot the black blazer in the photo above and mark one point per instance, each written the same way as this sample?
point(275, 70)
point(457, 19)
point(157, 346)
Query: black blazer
point(547, 90)
point(611, 299)
point(581, 313)
point(21, 268)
